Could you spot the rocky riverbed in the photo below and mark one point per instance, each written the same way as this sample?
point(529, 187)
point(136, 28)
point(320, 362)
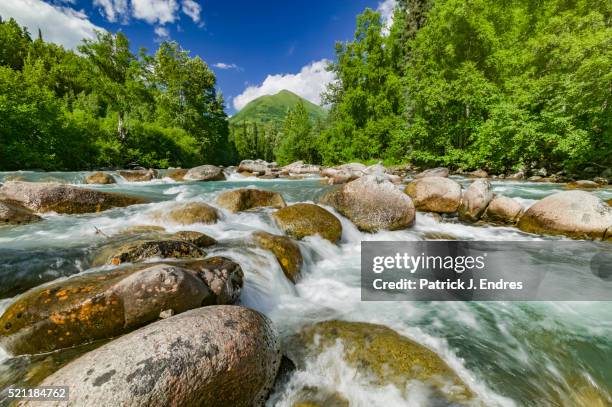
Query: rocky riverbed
point(241, 286)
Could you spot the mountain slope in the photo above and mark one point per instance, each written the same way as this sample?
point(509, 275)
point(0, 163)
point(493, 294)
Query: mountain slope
point(273, 108)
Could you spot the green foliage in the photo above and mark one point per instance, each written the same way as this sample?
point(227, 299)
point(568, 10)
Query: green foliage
point(298, 142)
point(274, 108)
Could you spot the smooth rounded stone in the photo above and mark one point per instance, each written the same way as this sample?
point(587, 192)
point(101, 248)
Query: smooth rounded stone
point(247, 198)
point(352, 167)
point(381, 353)
point(257, 167)
point(139, 251)
point(517, 176)
point(433, 172)
point(286, 251)
point(304, 219)
point(582, 184)
point(98, 305)
point(177, 174)
point(576, 214)
point(372, 203)
point(223, 277)
point(435, 194)
point(299, 167)
point(503, 210)
point(61, 198)
point(479, 174)
point(138, 175)
point(211, 356)
point(475, 200)
point(197, 238)
point(188, 213)
point(100, 178)
point(12, 213)
point(205, 173)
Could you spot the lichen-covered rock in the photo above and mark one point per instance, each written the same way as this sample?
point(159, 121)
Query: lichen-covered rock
point(223, 276)
point(205, 173)
point(257, 167)
point(433, 172)
point(177, 174)
point(12, 213)
point(303, 219)
point(211, 356)
point(138, 175)
point(100, 178)
point(188, 213)
point(299, 167)
point(287, 252)
point(576, 214)
point(503, 210)
point(61, 198)
point(98, 305)
point(379, 352)
point(139, 251)
point(372, 203)
point(475, 200)
point(435, 194)
point(247, 198)
point(197, 238)
point(582, 184)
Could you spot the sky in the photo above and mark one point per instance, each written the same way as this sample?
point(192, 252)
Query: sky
point(254, 47)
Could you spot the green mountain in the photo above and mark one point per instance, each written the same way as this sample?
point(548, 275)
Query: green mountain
point(273, 108)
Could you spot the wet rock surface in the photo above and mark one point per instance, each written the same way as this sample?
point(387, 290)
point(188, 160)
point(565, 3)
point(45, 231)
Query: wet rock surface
point(138, 175)
point(475, 200)
point(303, 219)
point(247, 198)
point(188, 213)
point(287, 252)
point(12, 213)
point(100, 178)
point(435, 194)
point(205, 173)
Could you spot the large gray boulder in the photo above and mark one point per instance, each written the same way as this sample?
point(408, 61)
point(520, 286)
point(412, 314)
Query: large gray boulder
point(257, 167)
point(205, 173)
point(475, 200)
point(503, 210)
point(188, 213)
point(62, 198)
point(433, 172)
point(372, 203)
point(435, 194)
point(138, 175)
point(299, 167)
point(12, 213)
point(247, 198)
point(211, 356)
point(576, 214)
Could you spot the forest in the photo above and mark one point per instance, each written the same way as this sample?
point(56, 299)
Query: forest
point(497, 85)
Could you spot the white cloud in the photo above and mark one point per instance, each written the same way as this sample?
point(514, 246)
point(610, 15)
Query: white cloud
point(309, 83)
point(113, 10)
point(162, 32)
point(155, 11)
point(223, 65)
point(61, 25)
point(386, 9)
point(192, 9)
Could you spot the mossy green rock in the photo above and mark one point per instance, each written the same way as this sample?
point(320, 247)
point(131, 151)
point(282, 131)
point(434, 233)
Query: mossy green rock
point(139, 251)
point(197, 238)
point(303, 219)
point(287, 252)
point(388, 356)
point(62, 198)
point(247, 198)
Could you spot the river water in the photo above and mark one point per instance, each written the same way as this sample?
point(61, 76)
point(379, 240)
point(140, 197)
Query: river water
point(509, 353)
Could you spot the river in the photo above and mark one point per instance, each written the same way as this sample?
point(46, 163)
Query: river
point(509, 353)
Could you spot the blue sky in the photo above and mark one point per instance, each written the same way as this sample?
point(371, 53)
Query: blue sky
point(254, 47)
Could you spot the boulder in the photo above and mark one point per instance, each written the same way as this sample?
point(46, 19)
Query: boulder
point(352, 167)
point(376, 169)
point(582, 184)
point(287, 252)
point(97, 305)
point(188, 213)
point(304, 219)
point(257, 167)
point(268, 176)
point(211, 356)
point(223, 277)
point(177, 174)
point(12, 213)
point(138, 175)
point(475, 200)
point(247, 198)
point(601, 181)
point(435, 194)
point(576, 214)
point(536, 178)
point(299, 167)
point(99, 178)
point(61, 198)
point(372, 203)
point(433, 172)
point(205, 173)
point(140, 251)
point(385, 356)
point(503, 210)
point(517, 175)
point(479, 174)
point(197, 238)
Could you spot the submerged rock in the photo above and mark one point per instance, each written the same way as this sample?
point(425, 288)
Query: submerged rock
point(212, 356)
point(504, 210)
point(372, 204)
point(61, 198)
point(205, 173)
point(12, 213)
point(475, 200)
point(98, 305)
point(287, 252)
point(385, 355)
point(100, 178)
point(433, 172)
point(177, 174)
point(582, 184)
point(197, 238)
point(247, 198)
point(138, 175)
point(139, 251)
point(188, 213)
point(576, 214)
point(435, 194)
point(303, 219)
